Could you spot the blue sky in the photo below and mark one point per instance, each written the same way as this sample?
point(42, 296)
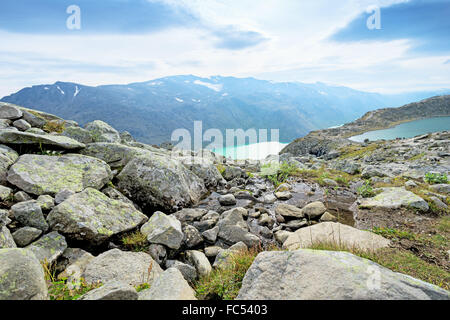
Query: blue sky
point(122, 41)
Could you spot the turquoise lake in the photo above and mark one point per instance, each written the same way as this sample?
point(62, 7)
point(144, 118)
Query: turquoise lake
point(257, 151)
point(406, 130)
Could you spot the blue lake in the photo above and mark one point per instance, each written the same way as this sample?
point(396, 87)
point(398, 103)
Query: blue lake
point(406, 130)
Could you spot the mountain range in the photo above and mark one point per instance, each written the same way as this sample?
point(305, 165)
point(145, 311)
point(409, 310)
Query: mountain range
point(151, 110)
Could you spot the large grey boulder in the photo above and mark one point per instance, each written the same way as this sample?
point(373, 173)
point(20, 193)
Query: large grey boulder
point(29, 213)
point(90, 215)
point(170, 285)
point(114, 290)
point(9, 111)
point(163, 229)
point(102, 132)
point(133, 268)
point(49, 247)
point(7, 157)
point(328, 275)
point(39, 174)
point(9, 136)
point(335, 234)
point(233, 228)
point(394, 198)
point(21, 276)
point(6, 239)
point(157, 181)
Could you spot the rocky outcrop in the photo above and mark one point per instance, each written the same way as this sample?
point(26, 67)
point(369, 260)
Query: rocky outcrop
point(329, 275)
point(326, 142)
point(83, 213)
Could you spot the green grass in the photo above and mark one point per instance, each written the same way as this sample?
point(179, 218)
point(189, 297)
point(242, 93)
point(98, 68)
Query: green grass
point(436, 178)
point(397, 260)
point(60, 289)
point(135, 241)
point(278, 174)
point(394, 234)
point(357, 151)
point(225, 282)
point(366, 190)
point(221, 168)
point(417, 157)
point(318, 175)
point(444, 224)
point(54, 126)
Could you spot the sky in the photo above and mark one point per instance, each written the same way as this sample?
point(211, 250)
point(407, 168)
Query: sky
point(386, 46)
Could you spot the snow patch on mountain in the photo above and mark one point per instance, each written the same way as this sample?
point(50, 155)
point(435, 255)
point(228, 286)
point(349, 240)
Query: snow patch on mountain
point(215, 87)
point(60, 90)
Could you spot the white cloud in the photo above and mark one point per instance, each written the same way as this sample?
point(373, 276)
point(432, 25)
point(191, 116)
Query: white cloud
point(297, 50)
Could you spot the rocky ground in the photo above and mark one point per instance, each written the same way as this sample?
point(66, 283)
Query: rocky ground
point(90, 213)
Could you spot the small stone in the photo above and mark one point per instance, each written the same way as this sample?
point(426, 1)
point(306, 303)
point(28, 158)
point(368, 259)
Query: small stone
point(327, 217)
point(24, 236)
point(212, 251)
point(211, 235)
point(269, 198)
point(227, 200)
point(21, 125)
point(46, 202)
point(199, 261)
point(163, 229)
point(21, 196)
point(285, 195)
point(314, 209)
point(192, 236)
point(29, 214)
point(290, 211)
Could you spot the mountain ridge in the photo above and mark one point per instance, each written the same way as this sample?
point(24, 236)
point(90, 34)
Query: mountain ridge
point(154, 108)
